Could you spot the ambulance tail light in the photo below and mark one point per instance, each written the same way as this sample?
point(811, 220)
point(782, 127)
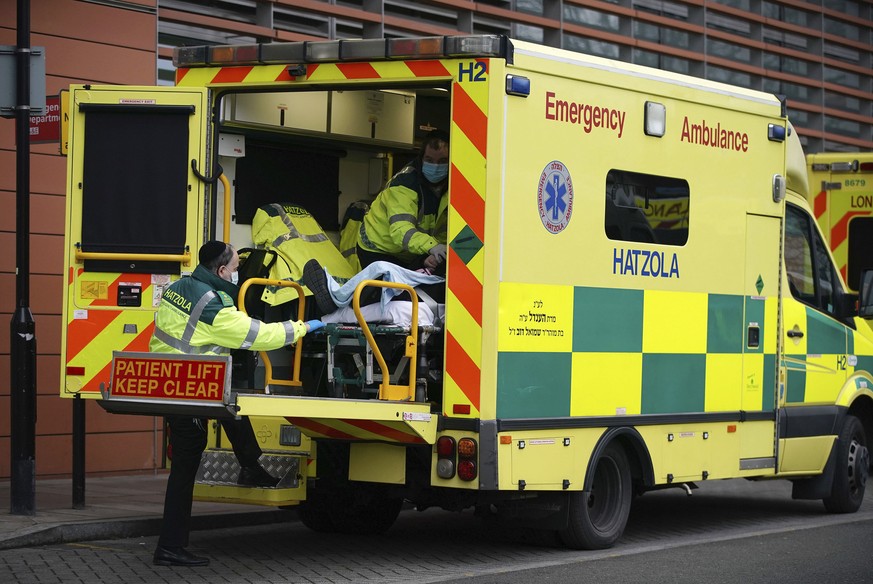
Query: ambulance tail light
point(446, 451)
point(322, 51)
point(480, 45)
point(299, 52)
point(415, 48)
point(234, 54)
point(75, 370)
point(190, 56)
point(362, 50)
point(866, 167)
point(467, 454)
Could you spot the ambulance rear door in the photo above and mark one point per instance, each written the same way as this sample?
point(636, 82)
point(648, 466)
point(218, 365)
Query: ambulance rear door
point(135, 218)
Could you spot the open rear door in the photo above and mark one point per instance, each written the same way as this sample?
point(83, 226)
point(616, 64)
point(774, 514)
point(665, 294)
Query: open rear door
point(134, 219)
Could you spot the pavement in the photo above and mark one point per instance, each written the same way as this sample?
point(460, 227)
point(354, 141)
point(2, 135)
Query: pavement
point(115, 507)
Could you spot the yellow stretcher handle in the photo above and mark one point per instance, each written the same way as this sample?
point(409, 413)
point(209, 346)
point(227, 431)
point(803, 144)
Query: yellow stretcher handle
point(298, 346)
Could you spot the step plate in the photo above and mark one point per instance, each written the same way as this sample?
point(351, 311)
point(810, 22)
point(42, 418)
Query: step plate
point(220, 468)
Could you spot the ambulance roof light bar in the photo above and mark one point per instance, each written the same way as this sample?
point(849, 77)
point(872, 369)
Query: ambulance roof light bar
point(344, 50)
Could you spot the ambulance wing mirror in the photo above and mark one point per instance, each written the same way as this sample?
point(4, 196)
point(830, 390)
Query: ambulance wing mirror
point(865, 302)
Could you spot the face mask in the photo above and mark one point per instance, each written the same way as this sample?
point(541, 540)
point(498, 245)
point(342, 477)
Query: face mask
point(234, 278)
point(434, 172)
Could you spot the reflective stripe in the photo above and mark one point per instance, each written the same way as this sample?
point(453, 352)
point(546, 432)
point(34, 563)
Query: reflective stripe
point(252, 334)
point(349, 252)
point(292, 231)
point(184, 347)
point(407, 237)
point(402, 217)
point(289, 331)
point(364, 239)
point(194, 318)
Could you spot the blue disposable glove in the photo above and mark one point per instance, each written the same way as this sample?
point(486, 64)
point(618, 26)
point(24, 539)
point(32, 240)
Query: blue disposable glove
point(314, 325)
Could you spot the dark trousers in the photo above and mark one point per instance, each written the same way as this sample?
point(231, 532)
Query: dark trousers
point(187, 443)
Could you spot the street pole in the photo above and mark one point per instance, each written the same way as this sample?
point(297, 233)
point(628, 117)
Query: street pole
point(23, 328)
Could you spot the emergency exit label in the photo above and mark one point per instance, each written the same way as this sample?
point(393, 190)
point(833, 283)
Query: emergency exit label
point(169, 379)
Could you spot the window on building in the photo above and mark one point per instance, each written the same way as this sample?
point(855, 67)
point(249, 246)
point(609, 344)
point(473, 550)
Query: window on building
point(526, 32)
point(592, 18)
point(661, 35)
point(785, 39)
point(843, 127)
point(529, 6)
point(663, 8)
point(789, 90)
point(841, 52)
point(591, 46)
point(784, 14)
point(841, 77)
point(730, 51)
point(842, 102)
point(719, 21)
point(646, 208)
point(774, 62)
point(841, 29)
point(728, 76)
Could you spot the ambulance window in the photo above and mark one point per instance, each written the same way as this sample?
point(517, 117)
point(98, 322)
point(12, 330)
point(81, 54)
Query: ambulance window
point(860, 244)
point(646, 208)
point(812, 278)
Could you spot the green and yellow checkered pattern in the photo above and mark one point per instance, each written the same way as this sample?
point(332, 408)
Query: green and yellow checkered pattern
point(644, 352)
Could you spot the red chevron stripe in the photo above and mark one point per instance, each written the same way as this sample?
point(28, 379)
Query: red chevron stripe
point(383, 430)
point(428, 69)
point(820, 204)
point(467, 202)
point(469, 118)
point(465, 286)
point(319, 428)
point(231, 74)
point(180, 74)
point(358, 71)
point(462, 369)
point(81, 332)
point(139, 343)
point(840, 231)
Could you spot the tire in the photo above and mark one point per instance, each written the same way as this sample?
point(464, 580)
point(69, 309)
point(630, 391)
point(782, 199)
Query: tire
point(374, 517)
point(314, 513)
point(597, 518)
point(852, 468)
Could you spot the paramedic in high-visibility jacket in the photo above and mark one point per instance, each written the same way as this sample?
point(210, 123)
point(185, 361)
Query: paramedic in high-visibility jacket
point(198, 316)
point(407, 222)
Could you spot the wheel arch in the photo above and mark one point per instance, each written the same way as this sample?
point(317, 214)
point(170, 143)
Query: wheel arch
point(862, 408)
point(635, 448)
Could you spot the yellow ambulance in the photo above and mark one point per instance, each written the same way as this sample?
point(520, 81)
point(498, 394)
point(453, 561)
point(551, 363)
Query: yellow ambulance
point(841, 197)
point(637, 294)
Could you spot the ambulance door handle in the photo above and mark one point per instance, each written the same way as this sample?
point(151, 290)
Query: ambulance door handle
point(795, 333)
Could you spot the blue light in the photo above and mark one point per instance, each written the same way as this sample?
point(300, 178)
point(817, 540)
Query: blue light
point(517, 85)
point(776, 133)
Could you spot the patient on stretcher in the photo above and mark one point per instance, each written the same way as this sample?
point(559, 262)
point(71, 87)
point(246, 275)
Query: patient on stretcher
point(378, 304)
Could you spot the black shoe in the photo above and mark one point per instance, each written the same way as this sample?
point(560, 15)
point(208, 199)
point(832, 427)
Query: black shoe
point(316, 280)
point(177, 556)
point(256, 476)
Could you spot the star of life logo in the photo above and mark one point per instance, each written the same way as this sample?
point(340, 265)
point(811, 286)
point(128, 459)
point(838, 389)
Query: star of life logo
point(555, 197)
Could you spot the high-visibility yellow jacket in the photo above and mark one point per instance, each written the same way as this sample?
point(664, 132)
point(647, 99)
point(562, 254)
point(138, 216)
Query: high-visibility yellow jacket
point(197, 315)
point(407, 218)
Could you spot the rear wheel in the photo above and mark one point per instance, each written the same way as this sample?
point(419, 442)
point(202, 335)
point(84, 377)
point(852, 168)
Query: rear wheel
point(597, 518)
point(852, 468)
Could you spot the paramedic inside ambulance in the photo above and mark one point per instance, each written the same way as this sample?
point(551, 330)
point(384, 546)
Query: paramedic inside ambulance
point(198, 316)
point(407, 222)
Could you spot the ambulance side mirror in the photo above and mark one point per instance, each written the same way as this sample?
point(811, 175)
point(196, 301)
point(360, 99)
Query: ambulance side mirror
point(865, 301)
